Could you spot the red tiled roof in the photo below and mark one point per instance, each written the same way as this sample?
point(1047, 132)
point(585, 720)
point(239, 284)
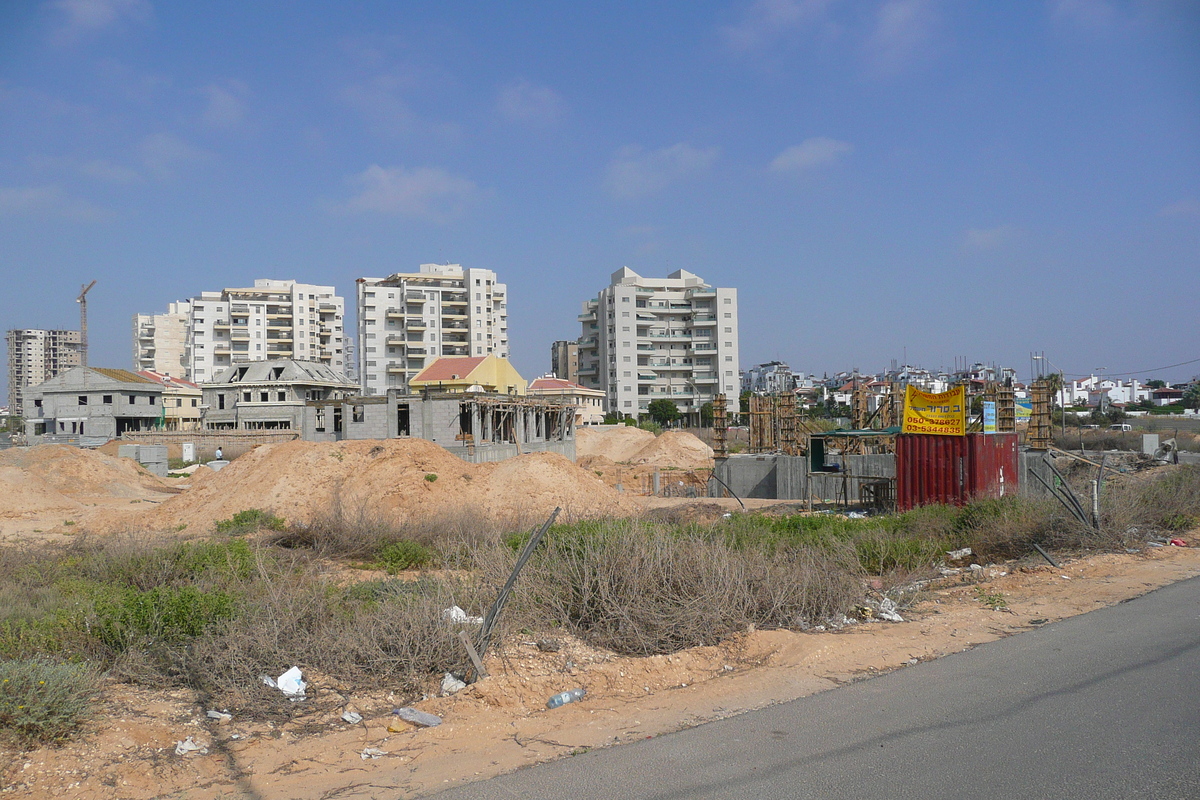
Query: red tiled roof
point(449, 368)
point(159, 377)
point(553, 383)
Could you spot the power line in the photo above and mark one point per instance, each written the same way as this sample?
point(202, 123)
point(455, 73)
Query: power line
point(1136, 371)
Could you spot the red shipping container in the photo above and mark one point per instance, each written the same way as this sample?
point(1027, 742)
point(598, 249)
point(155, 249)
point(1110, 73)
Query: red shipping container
point(954, 469)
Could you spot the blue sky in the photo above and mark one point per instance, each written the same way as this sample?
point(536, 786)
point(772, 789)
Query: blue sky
point(877, 177)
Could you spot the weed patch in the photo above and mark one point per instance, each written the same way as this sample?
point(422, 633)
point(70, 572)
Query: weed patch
point(42, 701)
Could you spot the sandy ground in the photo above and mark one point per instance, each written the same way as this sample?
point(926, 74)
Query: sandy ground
point(500, 723)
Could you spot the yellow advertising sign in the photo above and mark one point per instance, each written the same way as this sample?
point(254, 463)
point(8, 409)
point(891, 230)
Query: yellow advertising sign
point(943, 414)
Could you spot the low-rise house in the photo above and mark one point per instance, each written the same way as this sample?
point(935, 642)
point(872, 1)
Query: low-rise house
point(180, 401)
point(490, 374)
point(588, 403)
point(270, 395)
point(90, 405)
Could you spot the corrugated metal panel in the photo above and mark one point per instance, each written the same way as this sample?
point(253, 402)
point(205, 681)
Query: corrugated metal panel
point(954, 469)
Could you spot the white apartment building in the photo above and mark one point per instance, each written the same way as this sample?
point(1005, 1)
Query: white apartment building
point(160, 341)
point(36, 356)
point(407, 319)
point(268, 321)
point(773, 377)
point(649, 338)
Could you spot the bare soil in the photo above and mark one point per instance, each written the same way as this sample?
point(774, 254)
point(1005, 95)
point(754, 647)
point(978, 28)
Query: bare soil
point(500, 723)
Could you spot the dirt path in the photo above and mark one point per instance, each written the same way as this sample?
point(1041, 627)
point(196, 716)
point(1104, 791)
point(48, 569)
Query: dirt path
point(501, 724)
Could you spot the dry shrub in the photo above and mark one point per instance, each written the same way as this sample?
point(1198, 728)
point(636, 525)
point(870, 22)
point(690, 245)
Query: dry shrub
point(1164, 501)
point(641, 589)
point(359, 531)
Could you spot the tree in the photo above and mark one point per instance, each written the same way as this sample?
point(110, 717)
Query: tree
point(663, 411)
point(1191, 397)
point(706, 415)
point(1156, 384)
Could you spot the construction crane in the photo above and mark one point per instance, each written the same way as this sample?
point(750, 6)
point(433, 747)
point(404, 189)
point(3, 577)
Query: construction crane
point(82, 300)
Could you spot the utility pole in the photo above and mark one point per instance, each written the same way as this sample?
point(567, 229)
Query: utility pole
point(82, 300)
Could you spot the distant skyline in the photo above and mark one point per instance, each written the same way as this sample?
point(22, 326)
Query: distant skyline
point(876, 177)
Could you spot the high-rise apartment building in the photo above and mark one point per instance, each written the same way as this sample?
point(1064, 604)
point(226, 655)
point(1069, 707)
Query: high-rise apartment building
point(160, 341)
point(649, 338)
point(271, 320)
point(564, 360)
point(268, 321)
point(35, 356)
point(407, 319)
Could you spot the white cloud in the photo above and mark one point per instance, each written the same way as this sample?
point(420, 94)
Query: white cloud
point(903, 31)
point(428, 193)
point(525, 102)
point(226, 107)
point(1090, 14)
point(988, 238)
point(386, 112)
point(1189, 207)
point(811, 153)
point(767, 21)
point(635, 172)
point(86, 17)
point(47, 201)
point(109, 172)
point(163, 154)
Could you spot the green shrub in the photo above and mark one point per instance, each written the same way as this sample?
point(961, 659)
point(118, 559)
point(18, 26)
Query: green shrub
point(397, 556)
point(431, 477)
point(163, 614)
point(248, 521)
point(42, 701)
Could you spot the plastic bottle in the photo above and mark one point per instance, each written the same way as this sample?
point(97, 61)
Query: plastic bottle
point(562, 698)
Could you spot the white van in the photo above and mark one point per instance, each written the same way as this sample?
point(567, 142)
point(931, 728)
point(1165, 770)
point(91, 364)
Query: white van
point(1120, 426)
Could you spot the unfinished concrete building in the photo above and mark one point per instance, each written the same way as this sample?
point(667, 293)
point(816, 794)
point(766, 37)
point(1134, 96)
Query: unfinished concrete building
point(477, 427)
point(90, 405)
point(270, 395)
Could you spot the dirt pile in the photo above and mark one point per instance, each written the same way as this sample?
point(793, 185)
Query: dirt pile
point(56, 477)
point(625, 445)
point(616, 444)
point(677, 449)
point(402, 478)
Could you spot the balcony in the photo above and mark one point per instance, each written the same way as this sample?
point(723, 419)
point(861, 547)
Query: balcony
point(704, 346)
point(220, 324)
point(703, 293)
point(706, 377)
point(591, 369)
point(414, 297)
point(588, 317)
point(239, 308)
point(395, 313)
point(417, 351)
point(325, 305)
point(684, 335)
point(415, 324)
point(453, 325)
point(455, 298)
point(240, 336)
point(704, 319)
point(645, 377)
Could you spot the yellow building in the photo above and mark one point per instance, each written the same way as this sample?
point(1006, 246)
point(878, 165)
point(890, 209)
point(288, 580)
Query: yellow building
point(180, 401)
point(469, 374)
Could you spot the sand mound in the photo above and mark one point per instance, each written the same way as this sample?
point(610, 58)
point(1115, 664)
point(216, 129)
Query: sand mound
point(635, 446)
point(82, 473)
point(676, 449)
point(617, 444)
point(23, 494)
point(404, 478)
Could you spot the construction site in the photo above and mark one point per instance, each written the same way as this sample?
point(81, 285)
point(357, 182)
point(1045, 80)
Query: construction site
point(452, 478)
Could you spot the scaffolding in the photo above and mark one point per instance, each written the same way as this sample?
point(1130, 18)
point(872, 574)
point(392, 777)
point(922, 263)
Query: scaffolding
point(720, 427)
point(1040, 435)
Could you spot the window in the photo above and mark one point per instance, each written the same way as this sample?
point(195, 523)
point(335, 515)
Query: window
point(281, 396)
point(728, 315)
point(729, 373)
point(83, 399)
point(37, 403)
point(626, 359)
point(729, 330)
point(245, 397)
point(627, 403)
point(195, 403)
point(357, 414)
point(628, 375)
point(262, 397)
point(108, 399)
point(625, 329)
point(625, 300)
point(729, 358)
point(221, 401)
point(728, 301)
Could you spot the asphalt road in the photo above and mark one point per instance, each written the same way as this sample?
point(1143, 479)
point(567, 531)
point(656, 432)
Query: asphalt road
point(1103, 705)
